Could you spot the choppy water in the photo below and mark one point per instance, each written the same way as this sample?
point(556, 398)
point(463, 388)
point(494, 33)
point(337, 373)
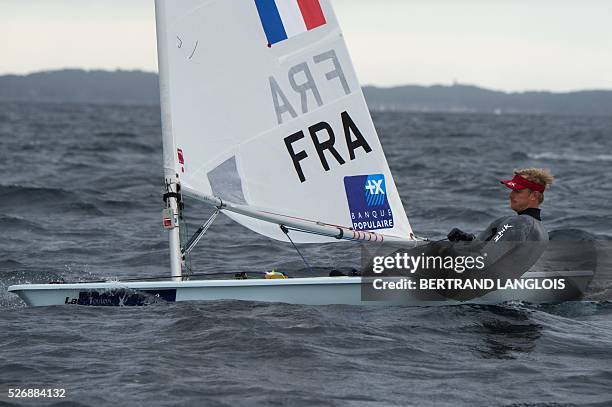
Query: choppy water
point(80, 198)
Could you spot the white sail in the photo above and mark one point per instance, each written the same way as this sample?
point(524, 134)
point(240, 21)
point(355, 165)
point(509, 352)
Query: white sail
point(262, 108)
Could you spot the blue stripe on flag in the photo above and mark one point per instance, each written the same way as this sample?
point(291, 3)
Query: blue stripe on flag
point(271, 21)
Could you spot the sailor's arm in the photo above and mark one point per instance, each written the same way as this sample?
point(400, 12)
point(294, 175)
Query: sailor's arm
point(504, 237)
point(458, 235)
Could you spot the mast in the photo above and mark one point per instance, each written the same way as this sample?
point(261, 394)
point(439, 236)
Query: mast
point(171, 176)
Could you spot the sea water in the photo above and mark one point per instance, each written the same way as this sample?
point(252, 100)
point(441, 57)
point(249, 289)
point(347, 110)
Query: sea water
point(80, 199)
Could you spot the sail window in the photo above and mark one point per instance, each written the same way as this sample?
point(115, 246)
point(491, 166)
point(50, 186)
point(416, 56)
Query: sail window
point(225, 182)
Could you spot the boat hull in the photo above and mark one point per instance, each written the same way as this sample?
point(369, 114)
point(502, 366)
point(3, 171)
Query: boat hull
point(308, 291)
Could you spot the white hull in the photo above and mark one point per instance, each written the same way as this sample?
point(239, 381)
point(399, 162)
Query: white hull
point(307, 291)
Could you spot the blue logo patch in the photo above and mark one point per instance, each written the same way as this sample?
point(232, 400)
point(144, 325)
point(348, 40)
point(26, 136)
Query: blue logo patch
point(367, 200)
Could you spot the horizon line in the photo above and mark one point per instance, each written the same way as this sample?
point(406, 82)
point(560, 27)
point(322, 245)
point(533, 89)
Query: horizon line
point(370, 85)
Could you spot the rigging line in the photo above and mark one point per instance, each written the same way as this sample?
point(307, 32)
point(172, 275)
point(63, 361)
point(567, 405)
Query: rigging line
point(326, 235)
point(154, 278)
point(183, 233)
point(426, 239)
point(286, 232)
point(342, 237)
point(197, 236)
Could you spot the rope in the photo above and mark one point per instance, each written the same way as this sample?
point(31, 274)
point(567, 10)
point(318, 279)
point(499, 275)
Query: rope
point(197, 236)
point(286, 232)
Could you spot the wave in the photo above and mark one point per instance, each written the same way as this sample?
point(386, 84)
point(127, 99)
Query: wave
point(9, 264)
point(43, 200)
point(547, 155)
point(18, 194)
point(16, 223)
point(118, 135)
point(570, 234)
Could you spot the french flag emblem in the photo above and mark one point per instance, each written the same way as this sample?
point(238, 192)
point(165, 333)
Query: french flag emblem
point(283, 19)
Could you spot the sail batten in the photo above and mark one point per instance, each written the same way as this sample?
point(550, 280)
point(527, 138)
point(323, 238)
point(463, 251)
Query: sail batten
point(275, 123)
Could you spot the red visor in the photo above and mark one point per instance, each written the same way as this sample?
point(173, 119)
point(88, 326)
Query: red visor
point(519, 182)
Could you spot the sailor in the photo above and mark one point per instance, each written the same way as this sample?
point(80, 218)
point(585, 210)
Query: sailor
point(510, 245)
point(528, 186)
point(507, 248)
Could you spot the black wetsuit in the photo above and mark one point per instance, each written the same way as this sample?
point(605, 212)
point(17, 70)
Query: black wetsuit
point(522, 227)
point(517, 234)
point(510, 246)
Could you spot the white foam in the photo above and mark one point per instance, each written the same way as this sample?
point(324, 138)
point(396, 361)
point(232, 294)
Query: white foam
point(570, 157)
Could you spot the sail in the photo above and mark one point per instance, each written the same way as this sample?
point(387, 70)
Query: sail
point(261, 106)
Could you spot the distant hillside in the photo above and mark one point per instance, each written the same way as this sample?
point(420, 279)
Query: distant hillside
point(136, 87)
point(462, 98)
point(75, 85)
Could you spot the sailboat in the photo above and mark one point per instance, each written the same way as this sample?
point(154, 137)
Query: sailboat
point(263, 119)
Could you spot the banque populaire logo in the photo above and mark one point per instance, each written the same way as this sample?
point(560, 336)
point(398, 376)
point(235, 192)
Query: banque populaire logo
point(367, 200)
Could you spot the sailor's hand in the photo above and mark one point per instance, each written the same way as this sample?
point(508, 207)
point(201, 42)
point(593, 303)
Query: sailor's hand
point(458, 235)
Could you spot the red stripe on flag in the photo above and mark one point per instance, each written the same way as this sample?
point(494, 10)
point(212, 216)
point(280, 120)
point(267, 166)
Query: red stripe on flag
point(313, 15)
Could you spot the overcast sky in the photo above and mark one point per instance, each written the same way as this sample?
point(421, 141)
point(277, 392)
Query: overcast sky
point(508, 45)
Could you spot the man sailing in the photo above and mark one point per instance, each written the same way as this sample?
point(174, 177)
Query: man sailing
point(528, 186)
point(512, 244)
point(508, 247)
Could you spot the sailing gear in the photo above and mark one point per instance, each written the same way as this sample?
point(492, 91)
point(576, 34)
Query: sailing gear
point(355, 273)
point(507, 248)
point(273, 275)
point(457, 235)
point(518, 183)
point(522, 227)
point(521, 237)
point(170, 218)
point(533, 212)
